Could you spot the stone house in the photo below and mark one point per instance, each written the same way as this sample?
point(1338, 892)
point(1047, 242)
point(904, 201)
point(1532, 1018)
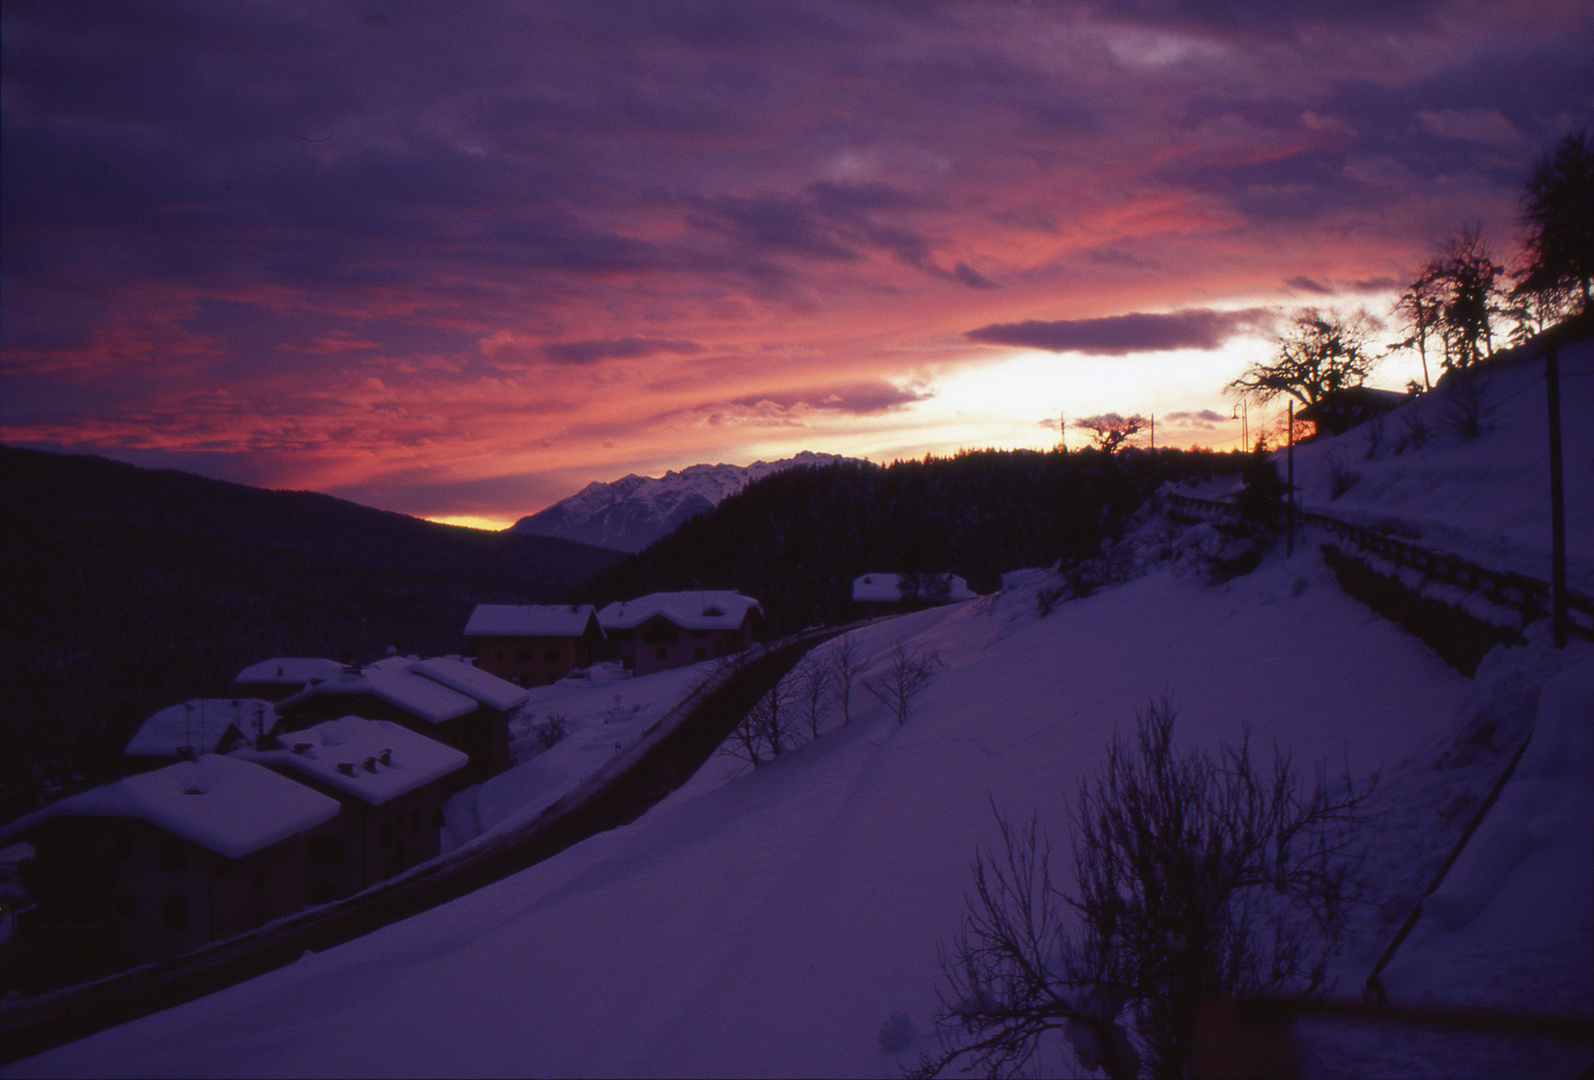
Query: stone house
point(671, 629)
point(534, 644)
point(443, 698)
point(390, 783)
point(162, 862)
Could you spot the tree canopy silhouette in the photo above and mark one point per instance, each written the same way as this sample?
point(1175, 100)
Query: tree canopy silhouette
point(1558, 212)
point(1322, 352)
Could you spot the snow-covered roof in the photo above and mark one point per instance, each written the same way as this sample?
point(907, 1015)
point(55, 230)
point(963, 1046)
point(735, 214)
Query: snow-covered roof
point(435, 690)
point(372, 760)
point(485, 687)
point(199, 725)
point(887, 589)
point(229, 806)
point(700, 610)
point(289, 670)
point(391, 681)
point(530, 620)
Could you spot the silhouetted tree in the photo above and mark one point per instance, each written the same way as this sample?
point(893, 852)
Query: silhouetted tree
point(1420, 309)
point(1110, 430)
point(1323, 351)
point(1558, 214)
point(1469, 285)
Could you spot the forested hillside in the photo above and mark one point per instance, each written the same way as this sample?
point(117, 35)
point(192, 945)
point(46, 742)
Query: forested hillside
point(129, 589)
point(797, 539)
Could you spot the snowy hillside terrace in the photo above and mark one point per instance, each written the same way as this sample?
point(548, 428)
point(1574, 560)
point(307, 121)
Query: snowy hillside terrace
point(790, 920)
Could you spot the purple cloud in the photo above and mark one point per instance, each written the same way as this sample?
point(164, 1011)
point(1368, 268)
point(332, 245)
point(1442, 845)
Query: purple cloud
point(854, 399)
point(625, 348)
point(1119, 335)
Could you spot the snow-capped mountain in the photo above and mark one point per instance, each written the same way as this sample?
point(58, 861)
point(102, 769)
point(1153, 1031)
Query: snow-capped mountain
point(630, 513)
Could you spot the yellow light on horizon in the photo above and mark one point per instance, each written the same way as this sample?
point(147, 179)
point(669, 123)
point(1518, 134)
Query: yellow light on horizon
point(472, 521)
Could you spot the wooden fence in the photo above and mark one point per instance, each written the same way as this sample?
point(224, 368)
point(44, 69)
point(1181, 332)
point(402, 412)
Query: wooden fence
point(1528, 596)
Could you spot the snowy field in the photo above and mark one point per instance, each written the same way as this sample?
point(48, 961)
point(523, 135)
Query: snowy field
point(769, 922)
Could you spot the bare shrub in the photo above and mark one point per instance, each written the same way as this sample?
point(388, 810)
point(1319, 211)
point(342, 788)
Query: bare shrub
point(814, 691)
point(1415, 433)
point(551, 730)
point(769, 728)
point(1341, 477)
point(902, 680)
point(1373, 433)
point(1047, 597)
point(1196, 880)
point(846, 662)
point(1466, 403)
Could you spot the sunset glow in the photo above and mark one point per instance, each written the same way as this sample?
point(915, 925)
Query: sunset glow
point(459, 261)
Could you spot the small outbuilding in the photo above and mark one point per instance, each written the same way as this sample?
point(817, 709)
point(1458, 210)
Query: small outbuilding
point(671, 629)
point(534, 644)
point(390, 782)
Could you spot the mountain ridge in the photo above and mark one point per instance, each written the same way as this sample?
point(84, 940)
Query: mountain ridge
point(630, 513)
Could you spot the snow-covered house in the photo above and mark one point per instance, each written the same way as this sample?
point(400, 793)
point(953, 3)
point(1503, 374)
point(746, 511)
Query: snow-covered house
point(390, 782)
point(162, 862)
point(881, 594)
point(443, 698)
point(534, 644)
point(670, 629)
point(283, 676)
point(197, 727)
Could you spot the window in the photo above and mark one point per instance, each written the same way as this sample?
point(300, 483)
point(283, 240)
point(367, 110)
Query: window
point(661, 652)
point(385, 834)
point(174, 856)
point(551, 656)
point(523, 654)
point(174, 913)
point(699, 653)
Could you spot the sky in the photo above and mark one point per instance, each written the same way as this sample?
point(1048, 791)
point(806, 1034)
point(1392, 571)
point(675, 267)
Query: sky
point(459, 260)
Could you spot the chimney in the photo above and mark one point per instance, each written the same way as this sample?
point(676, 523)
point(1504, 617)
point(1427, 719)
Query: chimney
point(387, 757)
point(370, 764)
point(346, 768)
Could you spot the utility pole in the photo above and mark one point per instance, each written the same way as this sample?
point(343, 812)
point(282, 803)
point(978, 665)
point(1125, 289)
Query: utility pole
point(1552, 382)
point(1289, 514)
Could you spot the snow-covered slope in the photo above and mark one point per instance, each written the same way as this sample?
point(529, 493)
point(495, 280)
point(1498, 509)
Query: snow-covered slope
point(1484, 498)
point(769, 922)
point(630, 513)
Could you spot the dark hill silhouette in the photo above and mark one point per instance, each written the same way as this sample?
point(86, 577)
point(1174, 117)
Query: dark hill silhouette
point(130, 589)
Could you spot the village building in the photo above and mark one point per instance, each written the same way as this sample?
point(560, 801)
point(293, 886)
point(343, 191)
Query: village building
point(159, 863)
point(534, 644)
point(283, 676)
point(671, 629)
point(892, 594)
point(443, 698)
point(390, 782)
point(197, 727)
point(1337, 411)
